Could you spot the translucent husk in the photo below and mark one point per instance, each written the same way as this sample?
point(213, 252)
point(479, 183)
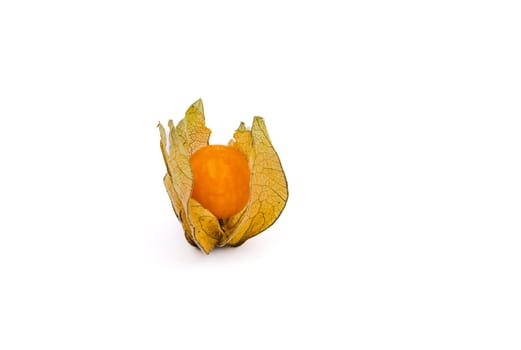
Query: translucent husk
point(268, 185)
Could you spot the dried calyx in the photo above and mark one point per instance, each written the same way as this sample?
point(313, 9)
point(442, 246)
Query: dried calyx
point(223, 195)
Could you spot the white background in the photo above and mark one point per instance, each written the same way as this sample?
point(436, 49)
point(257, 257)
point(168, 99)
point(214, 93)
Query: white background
point(397, 123)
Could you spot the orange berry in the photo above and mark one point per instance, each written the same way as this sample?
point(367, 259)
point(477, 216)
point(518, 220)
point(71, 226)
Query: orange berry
point(221, 179)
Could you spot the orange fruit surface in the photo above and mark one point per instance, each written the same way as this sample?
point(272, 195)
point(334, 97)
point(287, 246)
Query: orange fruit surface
point(221, 179)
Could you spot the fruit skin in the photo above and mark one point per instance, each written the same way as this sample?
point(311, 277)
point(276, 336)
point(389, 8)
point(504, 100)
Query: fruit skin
point(221, 179)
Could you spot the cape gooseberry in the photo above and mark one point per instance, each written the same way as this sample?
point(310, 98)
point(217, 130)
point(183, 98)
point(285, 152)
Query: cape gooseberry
point(221, 179)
